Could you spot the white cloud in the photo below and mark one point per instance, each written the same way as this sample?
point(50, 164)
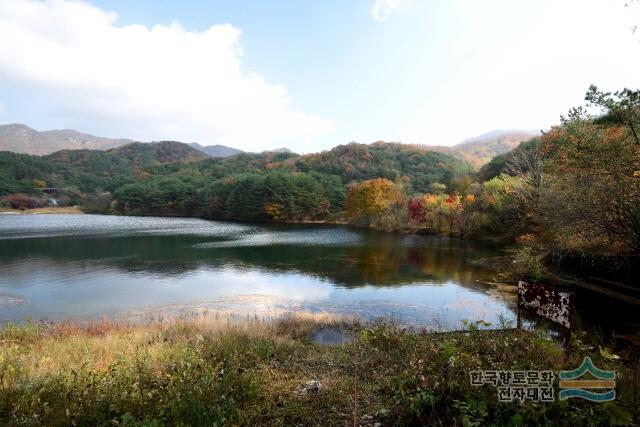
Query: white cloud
point(383, 9)
point(162, 82)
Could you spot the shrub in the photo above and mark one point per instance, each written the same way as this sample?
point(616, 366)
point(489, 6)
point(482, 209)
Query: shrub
point(21, 201)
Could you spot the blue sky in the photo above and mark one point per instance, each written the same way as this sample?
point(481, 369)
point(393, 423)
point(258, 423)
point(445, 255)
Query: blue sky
point(308, 75)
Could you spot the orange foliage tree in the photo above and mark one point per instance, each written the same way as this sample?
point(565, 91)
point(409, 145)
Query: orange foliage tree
point(375, 202)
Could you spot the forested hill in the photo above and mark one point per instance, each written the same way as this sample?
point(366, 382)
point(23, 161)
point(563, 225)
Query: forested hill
point(157, 153)
point(416, 167)
point(83, 171)
point(174, 178)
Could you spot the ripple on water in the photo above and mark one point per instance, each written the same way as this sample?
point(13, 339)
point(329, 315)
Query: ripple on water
point(326, 237)
point(30, 226)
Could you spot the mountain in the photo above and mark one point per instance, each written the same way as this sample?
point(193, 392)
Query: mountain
point(216, 150)
point(479, 150)
point(498, 164)
point(19, 138)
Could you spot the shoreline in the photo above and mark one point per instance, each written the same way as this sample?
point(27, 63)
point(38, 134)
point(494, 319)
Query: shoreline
point(67, 210)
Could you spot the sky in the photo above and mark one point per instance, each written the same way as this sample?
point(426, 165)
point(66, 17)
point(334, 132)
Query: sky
point(309, 75)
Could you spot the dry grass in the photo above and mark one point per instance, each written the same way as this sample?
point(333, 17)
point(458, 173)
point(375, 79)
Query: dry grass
point(96, 345)
point(69, 210)
point(249, 371)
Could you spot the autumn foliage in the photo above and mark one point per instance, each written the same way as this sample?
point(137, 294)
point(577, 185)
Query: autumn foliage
point(451, 214)
point(375, 202)
point(592, 190)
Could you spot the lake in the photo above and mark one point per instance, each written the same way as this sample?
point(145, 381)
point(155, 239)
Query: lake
point(88, 266)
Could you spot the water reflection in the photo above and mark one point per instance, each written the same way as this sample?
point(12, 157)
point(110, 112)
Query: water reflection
point(376, 260)
point(89, 265)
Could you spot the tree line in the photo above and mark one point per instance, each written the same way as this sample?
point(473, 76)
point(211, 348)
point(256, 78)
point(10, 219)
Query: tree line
point(173, 179)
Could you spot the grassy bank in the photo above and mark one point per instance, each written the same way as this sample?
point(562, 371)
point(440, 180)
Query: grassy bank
point(69, 210)
point(213, 372)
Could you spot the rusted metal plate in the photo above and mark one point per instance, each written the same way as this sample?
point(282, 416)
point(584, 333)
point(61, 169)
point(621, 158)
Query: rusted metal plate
point(547, 302)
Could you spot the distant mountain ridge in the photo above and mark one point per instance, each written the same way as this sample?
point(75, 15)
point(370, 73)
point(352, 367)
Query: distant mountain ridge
point(216, 150)
point(19, 138)
point(480, 149)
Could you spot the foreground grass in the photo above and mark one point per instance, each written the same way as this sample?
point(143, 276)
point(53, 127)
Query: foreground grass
point(215, 372)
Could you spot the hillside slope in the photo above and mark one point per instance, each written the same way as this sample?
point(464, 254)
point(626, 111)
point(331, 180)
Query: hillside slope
point(497, 165)
point(413, 165)
point(479, 150)
point(156, 153)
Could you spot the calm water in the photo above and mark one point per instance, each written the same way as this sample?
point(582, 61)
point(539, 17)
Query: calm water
point(79, 266)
